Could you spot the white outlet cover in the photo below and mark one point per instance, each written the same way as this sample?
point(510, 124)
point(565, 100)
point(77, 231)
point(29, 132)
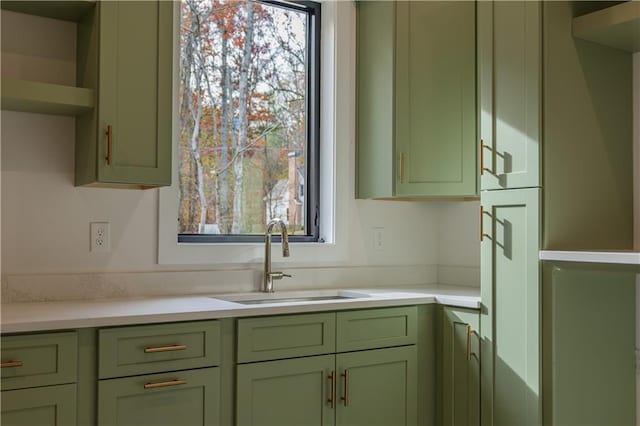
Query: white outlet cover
point(100, 237)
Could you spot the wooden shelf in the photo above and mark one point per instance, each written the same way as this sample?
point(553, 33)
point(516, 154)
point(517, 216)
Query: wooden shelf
point(65, 10)
point(616, 26)
point(45, 98)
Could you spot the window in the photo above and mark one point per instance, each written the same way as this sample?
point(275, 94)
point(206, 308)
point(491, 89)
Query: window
point(248, 148)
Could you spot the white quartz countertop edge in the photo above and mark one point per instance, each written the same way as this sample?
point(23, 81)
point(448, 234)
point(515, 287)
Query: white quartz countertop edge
point(621, 258)
point(43, 316)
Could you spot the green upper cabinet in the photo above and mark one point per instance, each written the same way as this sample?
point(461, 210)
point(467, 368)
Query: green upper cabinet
point(510, 320)
point(461, 367)
point(509, 52)
point(416, 95)
point(125, 51)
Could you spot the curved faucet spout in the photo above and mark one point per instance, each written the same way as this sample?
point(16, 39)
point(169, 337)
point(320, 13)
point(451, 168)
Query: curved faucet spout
point(267, 283)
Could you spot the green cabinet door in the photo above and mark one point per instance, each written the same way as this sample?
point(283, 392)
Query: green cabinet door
point(461, 367)
point(377, 387)
point(416, 95)
point(509, 52)
point(589, 344)
point(292, 392)
point(435, 83)
point(127, 49)
point(510, 319)
point(185, 398)
point(45, 406)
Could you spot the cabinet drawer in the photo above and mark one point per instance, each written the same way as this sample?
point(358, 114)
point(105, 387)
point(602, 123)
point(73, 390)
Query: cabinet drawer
point(376, 328)
point(185, 398)
point(45, 406)
point(126, 351)
point(39, 360)
point(289, 336)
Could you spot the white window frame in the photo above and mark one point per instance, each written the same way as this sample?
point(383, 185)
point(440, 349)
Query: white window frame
point(337, 160)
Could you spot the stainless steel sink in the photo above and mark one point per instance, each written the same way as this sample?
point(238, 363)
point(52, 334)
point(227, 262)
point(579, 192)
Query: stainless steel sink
point(291, 297)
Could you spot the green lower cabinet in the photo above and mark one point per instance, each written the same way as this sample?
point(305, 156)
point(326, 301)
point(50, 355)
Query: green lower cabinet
point(292, 392)
point(185, 398)
point(377, 387)
point(461, 367)
point(50, 405)
point(589, 344)
point(510, 316)
point(373, 387)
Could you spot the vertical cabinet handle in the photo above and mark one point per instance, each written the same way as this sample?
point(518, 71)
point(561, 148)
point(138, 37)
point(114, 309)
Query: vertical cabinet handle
point(481, 223)
point(468, 342)
point(345, 398)
point(109, 134)
point(470, 331)
point(401, 167)
point(332, 399)
point(481, 157)
point(11, 364)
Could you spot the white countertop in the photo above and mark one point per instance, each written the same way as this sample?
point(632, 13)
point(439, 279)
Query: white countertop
point(40, 316)
point(613, 257)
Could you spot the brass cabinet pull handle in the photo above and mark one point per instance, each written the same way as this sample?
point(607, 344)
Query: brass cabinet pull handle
point(11, 364)
point(345, 398)
point(470, 331)
point(482, 167)
point(402, 167)
point(481, 157)
point(332, 400)
point(109, 134)
point(481, 223)
point(164, 384)
point(165, 349)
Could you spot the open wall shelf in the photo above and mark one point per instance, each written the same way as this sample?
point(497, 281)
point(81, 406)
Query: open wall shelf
point(45, 98)
point(65, 10)
point(616, 26)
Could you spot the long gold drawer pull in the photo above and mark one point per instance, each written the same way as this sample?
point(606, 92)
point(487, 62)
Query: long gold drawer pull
point(332, 399)
point(164, 384)
point(11, 364)
point(481, 223)
point(165, 349)
point(402, 167)
point(345, 398)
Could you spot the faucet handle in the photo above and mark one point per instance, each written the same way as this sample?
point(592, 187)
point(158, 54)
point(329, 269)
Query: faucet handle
point(278, 275)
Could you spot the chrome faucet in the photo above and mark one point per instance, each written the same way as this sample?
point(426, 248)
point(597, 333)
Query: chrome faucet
point(267, 283)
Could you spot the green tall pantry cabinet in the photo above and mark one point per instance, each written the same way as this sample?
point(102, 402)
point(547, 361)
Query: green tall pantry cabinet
point(555, 143)
point(416, 92)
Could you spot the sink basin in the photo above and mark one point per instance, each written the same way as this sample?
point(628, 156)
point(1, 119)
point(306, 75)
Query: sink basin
point(291, 297)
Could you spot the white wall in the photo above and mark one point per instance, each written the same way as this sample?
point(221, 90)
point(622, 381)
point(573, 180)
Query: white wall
point(45, 219)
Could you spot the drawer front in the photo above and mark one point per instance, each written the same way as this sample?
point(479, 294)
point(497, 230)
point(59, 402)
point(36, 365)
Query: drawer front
point(46, 406)
point(185, 398)
point(126, 351)
point(289, 336)
point(39, 360)
point(376, 328)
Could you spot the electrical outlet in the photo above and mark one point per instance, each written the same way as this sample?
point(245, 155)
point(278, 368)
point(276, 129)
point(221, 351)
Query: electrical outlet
point(378, 238)
point(100, 236)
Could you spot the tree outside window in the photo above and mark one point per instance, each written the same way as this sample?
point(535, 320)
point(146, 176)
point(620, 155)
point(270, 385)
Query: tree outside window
point(246, 86)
